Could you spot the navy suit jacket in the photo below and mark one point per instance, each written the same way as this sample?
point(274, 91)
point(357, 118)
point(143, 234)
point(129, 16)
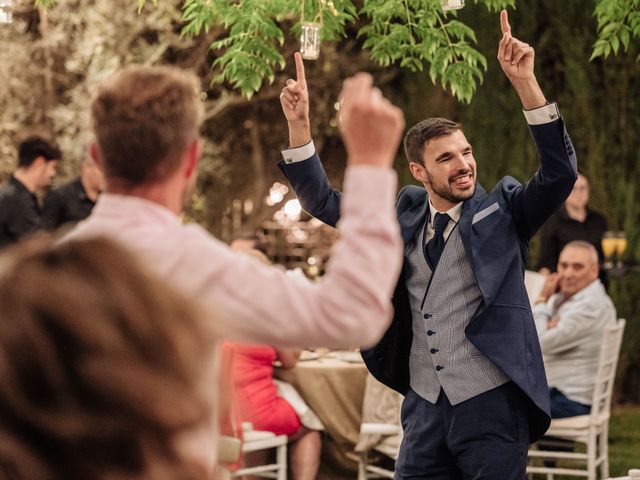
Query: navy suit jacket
point(495, 228)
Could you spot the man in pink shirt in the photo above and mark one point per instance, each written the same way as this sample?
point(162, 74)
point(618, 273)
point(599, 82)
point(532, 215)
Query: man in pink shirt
point(146, 122)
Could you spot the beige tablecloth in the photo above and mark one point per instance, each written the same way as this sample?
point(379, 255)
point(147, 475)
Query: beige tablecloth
point(334, 389)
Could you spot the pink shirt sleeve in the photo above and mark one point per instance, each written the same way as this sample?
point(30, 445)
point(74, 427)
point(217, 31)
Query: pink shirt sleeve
point(350, 306)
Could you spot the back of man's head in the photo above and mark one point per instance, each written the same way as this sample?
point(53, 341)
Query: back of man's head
point(144, 119)
point(34, 147)
point(418, 136)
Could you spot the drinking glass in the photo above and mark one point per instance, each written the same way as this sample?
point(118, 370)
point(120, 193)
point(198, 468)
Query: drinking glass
point(609, 247)
point(621, 246)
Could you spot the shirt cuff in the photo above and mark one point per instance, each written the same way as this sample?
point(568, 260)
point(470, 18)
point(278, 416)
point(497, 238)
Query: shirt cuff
point(542, 309)
point(298, 154)
point(545, 114)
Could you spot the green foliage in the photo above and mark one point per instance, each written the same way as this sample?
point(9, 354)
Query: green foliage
point(618, 24)
point(410, 33)
point(414, 33)
point(251, 47)
point(624, 440)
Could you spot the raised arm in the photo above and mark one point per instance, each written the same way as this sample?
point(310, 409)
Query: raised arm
point(517, 61)
point(294, 100)
point(301, 164)
point(534, 202)
point(351, 304)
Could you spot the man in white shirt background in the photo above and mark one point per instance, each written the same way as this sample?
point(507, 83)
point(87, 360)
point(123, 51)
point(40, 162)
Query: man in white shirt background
point(571, 314)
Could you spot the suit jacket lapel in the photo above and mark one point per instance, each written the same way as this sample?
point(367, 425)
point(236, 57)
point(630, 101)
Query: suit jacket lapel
point(413, 218)
point(466, 216)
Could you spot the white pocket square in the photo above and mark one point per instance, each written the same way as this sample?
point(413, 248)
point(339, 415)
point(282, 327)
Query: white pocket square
point(485, 213)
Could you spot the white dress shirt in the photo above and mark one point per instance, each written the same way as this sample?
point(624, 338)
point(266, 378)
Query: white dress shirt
point(570, 350)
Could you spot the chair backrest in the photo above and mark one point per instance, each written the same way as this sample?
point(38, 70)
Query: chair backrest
point(533, 282)
point(607, 364)
point(380, 405)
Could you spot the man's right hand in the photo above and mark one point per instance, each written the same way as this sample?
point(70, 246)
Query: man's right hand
point(371, 126)
point(294, 100)
point(551, 286)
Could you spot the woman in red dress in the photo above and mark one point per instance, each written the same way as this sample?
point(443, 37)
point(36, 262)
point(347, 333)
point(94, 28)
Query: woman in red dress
point(258, 402)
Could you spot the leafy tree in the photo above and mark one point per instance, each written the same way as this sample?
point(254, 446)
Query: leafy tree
point(618, 25)
point(414, 34)
point(411, 33)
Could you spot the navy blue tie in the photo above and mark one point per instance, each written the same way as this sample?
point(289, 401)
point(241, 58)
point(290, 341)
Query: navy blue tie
point(434, 247)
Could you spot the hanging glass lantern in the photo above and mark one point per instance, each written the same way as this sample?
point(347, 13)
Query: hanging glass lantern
point(452, 4)
point(309, 40)
point(6, 9)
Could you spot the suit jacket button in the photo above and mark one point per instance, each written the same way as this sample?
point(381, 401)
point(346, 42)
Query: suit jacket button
point(439, 367)
point(430, 332)
point(427, 316)
point(434, 350)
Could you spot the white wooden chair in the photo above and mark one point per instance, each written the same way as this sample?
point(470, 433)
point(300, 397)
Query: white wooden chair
point(591, 430)
point(533, 282)
point(380, 431)
point(255, 440)
point(366, 470)
point(230, 449)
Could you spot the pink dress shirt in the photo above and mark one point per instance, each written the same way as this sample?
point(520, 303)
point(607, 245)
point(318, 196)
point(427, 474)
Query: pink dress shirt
point(349, 306)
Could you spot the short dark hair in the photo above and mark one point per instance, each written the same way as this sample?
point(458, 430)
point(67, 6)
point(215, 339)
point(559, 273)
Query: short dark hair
point(418, 135)
point(34, 147)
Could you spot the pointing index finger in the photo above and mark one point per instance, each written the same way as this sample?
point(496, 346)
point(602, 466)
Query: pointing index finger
point(300, 77)
point(504, 22)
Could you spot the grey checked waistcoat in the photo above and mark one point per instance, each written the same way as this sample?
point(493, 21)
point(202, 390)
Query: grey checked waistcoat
point(441, 356)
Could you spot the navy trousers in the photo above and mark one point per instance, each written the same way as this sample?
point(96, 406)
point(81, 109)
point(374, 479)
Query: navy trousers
point(483, 438)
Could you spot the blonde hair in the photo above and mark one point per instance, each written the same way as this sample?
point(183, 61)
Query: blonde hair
point(101, 366)
point(144, 119)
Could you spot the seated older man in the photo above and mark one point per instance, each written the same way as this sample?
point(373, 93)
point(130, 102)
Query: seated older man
point(571, 313)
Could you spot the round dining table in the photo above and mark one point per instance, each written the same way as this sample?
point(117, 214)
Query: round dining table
point(333, 386)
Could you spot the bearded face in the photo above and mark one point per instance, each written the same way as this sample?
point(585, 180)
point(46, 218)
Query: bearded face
point(449, 172)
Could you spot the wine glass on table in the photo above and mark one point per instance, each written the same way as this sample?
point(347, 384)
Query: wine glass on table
point(609, 247)
point(621, 247)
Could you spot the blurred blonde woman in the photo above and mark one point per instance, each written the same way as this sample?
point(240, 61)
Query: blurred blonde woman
point(102, 367)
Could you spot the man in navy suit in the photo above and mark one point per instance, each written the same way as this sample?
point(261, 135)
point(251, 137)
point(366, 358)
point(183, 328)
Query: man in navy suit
point(463, 347)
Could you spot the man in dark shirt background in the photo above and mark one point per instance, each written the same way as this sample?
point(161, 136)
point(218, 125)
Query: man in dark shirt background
point(73, 201)
point(20, 213)
point(574, 221)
